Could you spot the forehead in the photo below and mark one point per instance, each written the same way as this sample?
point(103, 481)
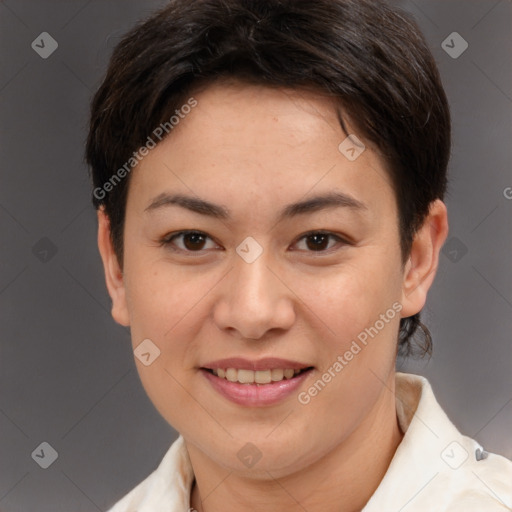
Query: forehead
point(244, 141)
point(233, 112)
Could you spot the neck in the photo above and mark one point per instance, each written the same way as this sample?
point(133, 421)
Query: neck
point(341, 481)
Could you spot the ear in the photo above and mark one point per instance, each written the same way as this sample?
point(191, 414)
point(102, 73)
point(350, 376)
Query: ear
point(421, 268)
point(113, 272)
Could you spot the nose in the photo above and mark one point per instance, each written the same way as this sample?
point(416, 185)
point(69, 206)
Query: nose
point(254, 300)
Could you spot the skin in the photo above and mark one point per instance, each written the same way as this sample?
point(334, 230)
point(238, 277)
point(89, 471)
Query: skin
point(255, 150)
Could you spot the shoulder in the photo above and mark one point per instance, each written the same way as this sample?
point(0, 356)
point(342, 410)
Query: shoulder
point(168, 485)
point(436, 467)
point(474, 479)
point(467, 476)
point(136, 496)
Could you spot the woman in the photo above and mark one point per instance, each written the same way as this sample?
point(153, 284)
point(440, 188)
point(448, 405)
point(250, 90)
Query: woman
point(269, 179)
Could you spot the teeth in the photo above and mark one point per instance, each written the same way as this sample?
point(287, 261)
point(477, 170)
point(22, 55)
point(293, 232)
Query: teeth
point(288, 374)
point(232, 375)
point(277, 374)
point(263, 376)
point(245, 376)
point(258, 377)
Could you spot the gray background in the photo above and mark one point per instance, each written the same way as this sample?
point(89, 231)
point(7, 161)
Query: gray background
point(67, 375)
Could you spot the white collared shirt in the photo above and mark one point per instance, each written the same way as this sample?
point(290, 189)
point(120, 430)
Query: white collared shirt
point(435, 467)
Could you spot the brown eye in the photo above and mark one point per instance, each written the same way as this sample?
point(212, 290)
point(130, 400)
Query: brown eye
point(186, 241)
point(319, 241)
point(193, 241)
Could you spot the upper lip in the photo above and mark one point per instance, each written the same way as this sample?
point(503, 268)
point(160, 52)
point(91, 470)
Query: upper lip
point(267, 363)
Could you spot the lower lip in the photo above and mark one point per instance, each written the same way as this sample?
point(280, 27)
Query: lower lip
point(254, 395)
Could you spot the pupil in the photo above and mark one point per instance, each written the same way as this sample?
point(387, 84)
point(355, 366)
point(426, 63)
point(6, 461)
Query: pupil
point(194, 238)
point(319, 241)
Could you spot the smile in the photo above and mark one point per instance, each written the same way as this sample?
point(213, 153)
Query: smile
point(256, 388)
point(244, 376)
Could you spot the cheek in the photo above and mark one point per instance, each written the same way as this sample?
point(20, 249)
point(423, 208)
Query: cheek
point(357, 319)
point(164, 306)
point(358, 349)
point(346, 300)
point(159, 297)
point(170, 306)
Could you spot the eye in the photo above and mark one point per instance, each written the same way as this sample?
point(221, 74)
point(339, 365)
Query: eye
point(318, 241)
point(190, 241)
point(197, 241)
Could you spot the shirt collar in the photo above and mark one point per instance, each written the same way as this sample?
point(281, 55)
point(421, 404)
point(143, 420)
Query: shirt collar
point(418, 458)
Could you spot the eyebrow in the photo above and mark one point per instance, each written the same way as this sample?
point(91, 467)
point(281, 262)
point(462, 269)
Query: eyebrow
point(312, 205)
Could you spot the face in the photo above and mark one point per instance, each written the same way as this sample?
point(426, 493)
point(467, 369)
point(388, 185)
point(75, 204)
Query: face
point(253, 243)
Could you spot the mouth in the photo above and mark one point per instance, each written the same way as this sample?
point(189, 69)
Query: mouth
point(265, 382)
point(257, 377)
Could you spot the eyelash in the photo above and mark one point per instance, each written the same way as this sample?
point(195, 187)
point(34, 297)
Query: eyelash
point(167, 241)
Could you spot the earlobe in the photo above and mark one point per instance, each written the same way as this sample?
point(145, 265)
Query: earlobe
point(420, 270)
point(113, 273)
